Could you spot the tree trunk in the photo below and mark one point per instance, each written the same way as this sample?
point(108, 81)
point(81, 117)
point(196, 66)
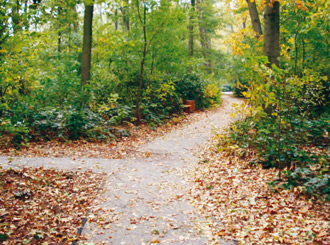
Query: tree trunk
point(59, 41)
point(272, 32)
point(124, 11)
point(153, 57)
point(16, 17)
point(244, 23)
point(204, 38)
point(296, 53)
point(137, 111)
point(59, 33)
point(87, 45)
point(116, 20)
point(144, 53)
point(255, 20)
point(191, 29)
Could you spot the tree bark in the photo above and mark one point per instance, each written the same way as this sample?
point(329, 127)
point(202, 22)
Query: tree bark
point(255, 20)
point(144, 54)
point(272, 32)
point(153, 57)
point(191, 29)
point(16, 17)
point(116, 20)
point(204, 38)
point(124, 11)
point(87, 45)
point(59, 33)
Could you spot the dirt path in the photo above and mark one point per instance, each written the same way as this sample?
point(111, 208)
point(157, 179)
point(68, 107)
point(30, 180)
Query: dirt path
point(144, 199)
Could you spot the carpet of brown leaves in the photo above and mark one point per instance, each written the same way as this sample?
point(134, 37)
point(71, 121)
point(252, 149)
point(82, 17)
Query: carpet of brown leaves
point(240, 206)
point(44, 206)
point(117, 149)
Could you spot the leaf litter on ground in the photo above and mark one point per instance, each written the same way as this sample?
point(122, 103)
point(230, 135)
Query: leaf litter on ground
point(45, 206)
point(40, 205)
point(240, 205)
point(118, 148)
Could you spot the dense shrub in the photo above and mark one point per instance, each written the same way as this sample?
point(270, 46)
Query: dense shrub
point(192, 87)
point(241, 86)
point(93, 113)
point(288, 125)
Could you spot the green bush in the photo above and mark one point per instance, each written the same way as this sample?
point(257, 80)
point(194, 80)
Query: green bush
point(13, 135)
point(241, 86)
point(288, 126)
point(192, 87)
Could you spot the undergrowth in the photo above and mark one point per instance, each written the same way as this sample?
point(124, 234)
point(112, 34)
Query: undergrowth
point(287, 126)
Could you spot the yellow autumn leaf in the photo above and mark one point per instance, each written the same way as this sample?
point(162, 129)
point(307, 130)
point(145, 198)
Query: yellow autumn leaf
point(291, 40)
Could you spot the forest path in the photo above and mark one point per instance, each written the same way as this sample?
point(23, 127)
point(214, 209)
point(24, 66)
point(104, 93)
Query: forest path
point(144, 199)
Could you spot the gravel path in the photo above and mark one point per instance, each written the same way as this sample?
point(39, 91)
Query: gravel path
point(145, 197)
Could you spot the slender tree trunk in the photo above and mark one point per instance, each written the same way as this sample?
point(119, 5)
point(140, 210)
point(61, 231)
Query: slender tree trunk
point(272, 32)
point(296, 54)
point(26, 10)
point(87, 45)
point(303, 52)
point(303, 49)
point(16, 18)
point(255, 20)
point(59, 41)
point(75, 19)
point(244, 23)
point(144, 53)
point(191, 29)
point(116, 21)
point(59, 33)
point(153, 56)
point(137, 112)
point(204, 38)
point(124, 11)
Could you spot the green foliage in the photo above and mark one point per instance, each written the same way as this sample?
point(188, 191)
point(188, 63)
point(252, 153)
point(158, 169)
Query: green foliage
point(13, 135)
point(289, 107)
point(160, 100)
point(3, 237)
point(287, 125)
point(288, 115)
point(192, 87)
point(40, 68)
point(312, 180)
point(241, 86)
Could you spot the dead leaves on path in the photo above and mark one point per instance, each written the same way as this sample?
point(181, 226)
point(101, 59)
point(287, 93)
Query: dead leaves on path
point(240, 206)
point(117, 149)
point(43, 206)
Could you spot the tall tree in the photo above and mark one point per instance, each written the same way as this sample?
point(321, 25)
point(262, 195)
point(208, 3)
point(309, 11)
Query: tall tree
point(4, 24)
point(124, 11)
point(255, 20)
point(204, 27)
point(143, 21)
point(147, 41)
point(272, 31)
point(116, 19)
point(191, 28)
point(87, 44)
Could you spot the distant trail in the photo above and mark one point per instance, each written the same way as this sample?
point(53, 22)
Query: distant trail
point(145, 197)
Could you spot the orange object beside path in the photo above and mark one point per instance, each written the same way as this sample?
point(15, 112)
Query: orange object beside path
point(189, 106)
